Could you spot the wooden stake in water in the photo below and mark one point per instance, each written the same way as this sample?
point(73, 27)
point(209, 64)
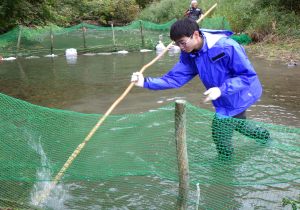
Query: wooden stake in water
point(19, 40)
point(83, 34)
point(182, 156)
point(142, 35)
point(67, 164)
point(51, 38)
point(113, 35)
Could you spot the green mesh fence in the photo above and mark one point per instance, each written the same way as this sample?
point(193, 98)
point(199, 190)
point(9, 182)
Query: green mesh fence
point(86, 37)
point(131, 161)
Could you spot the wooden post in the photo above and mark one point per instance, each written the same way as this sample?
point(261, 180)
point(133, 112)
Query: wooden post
point(51, 38)
point(142, 35)
point(182, 156)
point(113, 34)
point(83, 34)
point(19, 40)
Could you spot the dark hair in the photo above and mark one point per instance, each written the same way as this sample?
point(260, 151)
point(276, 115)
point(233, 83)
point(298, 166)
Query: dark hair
point(184, 27)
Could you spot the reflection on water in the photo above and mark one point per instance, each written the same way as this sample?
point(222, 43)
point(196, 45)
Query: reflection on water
point(93, 83)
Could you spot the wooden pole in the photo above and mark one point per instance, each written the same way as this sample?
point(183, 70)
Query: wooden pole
point(182, 156)
point(59, 175)
point(19, 40)
point(51, 38)
point(142, 34)
point(207, 13)
point(83, 34)
point(113, 34)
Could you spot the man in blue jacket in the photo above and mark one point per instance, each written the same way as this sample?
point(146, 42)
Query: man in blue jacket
point(225, 70)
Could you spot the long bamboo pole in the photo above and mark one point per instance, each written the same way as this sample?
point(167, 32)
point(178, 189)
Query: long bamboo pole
point(67, 164)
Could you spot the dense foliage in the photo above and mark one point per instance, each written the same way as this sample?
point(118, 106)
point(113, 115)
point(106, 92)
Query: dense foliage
point(67, 12)
point(257, 17)
point(34, 12)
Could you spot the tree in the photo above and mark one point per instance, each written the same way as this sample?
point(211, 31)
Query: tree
point(25, 12)
point(143, 3)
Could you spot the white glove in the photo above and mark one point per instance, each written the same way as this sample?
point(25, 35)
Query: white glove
point(138, 79)
point(212, 94)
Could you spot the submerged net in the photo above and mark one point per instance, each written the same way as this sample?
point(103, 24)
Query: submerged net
point(24, 41)
point(131, 161)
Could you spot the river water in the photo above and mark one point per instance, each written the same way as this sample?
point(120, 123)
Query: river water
point(90, 84)
point(93, 83)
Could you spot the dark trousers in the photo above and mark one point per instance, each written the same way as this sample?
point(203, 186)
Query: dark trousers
point(222, 131)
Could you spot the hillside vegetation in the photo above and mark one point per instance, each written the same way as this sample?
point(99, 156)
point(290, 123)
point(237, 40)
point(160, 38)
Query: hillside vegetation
point(259, 18)
point(275, 22)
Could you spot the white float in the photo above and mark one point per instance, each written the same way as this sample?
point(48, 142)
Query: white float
point(145, 50)
point(89, 54)
point(174, 49)
point(122, 52)
point(9, 59)
point(71, 56)
point(51, 56)
point(105, 53)
point(32, 57)
point(160, 46)
point(71, 52)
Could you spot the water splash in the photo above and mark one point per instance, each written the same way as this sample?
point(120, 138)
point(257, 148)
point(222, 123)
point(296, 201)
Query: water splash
point(59, 195)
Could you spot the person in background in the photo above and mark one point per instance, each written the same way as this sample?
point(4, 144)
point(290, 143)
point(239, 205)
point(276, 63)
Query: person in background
point(226, 72)
point(194, 12)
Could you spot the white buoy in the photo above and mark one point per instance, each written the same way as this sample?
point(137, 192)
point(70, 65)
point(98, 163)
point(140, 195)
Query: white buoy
point(89, 54)
point(9, 59)
point(51, 56)
point(122, 52)
point(145, 50)
point(32, 57)
point(160, 46)
point(71, 56)
point(174, 49)
point(71, 52)
point(107, 53)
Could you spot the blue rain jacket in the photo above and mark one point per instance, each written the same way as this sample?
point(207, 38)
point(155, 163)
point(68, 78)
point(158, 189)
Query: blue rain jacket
point(222, 63)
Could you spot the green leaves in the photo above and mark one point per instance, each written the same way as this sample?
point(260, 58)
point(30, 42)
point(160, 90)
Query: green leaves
point(65, 13)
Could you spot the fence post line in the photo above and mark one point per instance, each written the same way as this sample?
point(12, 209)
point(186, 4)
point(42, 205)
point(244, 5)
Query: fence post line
point(51, 38)
point(142, 34)
point(182, 156)
point(19, 40)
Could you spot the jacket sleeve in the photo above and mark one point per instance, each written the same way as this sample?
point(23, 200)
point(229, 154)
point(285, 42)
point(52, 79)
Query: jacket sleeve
point(242, 73)
point(179, 75)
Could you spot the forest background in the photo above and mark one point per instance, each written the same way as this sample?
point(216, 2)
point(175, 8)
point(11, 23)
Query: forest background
point(274, 25)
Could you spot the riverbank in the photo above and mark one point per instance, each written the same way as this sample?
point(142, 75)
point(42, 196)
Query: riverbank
point(285, 50)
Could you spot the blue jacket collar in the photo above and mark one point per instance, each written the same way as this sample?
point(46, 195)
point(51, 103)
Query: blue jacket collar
point(202, 50)
point(210, 38)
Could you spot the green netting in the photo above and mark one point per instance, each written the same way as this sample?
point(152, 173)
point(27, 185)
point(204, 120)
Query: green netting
point(86, 37)
point(131, 161)
point(242, 39)
point(136, 35)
